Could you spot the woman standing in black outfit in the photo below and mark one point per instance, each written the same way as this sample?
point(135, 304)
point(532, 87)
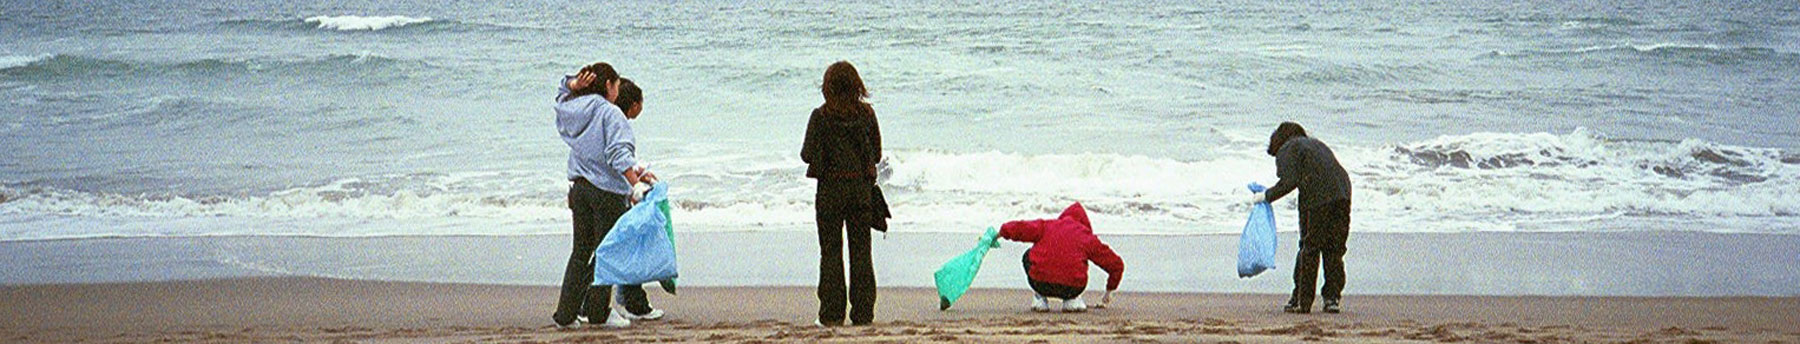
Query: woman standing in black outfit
point(842, 147)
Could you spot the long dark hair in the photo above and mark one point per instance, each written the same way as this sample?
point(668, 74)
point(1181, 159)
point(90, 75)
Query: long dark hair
point(843, 90)
point(1284, 132)
point(603, 73)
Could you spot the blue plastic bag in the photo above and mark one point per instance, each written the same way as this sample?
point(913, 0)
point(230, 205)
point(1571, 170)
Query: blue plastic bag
point(957, 274)
point(1256, 248)
point(638, 250)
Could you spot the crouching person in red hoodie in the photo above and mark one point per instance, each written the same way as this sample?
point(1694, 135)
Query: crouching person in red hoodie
point(1057, 263)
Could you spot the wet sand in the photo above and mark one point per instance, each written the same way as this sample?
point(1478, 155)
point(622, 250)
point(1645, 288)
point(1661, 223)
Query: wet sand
point(299, 309)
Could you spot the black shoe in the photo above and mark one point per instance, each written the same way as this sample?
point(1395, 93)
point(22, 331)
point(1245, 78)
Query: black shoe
point(570, 324)
point(1331, 306)
point(1296, 309)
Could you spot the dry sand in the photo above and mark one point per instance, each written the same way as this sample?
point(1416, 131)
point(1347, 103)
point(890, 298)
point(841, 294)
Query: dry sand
point(288, 309)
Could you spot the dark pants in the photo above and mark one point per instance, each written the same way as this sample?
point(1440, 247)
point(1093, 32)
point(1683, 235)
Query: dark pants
point(595, 212)
point(1323, 231)
point(1048, 289)
point(837, 203)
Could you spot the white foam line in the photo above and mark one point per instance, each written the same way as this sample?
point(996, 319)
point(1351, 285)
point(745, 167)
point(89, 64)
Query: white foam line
point(353, 23)
point(15, 61)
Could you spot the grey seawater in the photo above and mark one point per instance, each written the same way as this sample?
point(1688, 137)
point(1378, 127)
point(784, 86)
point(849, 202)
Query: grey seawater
point(188, 118)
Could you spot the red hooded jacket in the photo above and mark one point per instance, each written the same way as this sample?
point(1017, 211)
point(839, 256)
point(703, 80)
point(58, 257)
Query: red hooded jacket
point(1062, 248)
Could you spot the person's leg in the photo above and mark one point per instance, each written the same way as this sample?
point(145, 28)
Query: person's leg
point(1040, 287)
point(579, 272)
point(1055, 290)
point(1302, 272)
point(831, 263)
point(1038, 303)
point(862, 274)
point(608, 208)
point(1306, 273)
point(634, 299)
point(1334, 275)
point(1333, 254)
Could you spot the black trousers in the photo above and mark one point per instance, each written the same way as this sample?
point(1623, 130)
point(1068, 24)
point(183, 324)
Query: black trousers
point(1047, 289)
point(836, 204)
point(1323, 231)
point(595, 212)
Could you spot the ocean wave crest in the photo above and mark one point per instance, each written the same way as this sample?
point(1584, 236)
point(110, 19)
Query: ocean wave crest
point(1690, 159)
point(1700, 53)
point(1461, 183)
point(351, 23)
point(1363, 74)
point(363, 66)
point(1580, 173)
point(362, 23)
point(15, 61)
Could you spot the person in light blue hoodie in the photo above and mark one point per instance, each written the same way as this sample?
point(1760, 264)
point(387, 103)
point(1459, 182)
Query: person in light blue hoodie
point(602, 170)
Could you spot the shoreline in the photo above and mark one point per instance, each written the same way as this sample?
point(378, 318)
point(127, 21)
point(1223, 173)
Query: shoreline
point(308, 309)
point(1548, 264)
point(1283, 232)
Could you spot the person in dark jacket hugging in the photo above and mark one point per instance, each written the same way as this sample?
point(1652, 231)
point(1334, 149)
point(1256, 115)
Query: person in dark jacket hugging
point(1057, 263)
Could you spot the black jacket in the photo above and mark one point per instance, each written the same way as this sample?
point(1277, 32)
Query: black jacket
point(841, 145)
point(844, 148)
point(1307, 164)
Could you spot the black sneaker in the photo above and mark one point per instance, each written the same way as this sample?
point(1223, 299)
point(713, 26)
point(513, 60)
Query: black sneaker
point(1296, 309)
point(571, 324)
point(1331, 306)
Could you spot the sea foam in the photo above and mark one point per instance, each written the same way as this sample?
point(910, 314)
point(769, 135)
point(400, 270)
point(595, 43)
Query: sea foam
point(15, 61)
point(373, 23)
point(1463, 183)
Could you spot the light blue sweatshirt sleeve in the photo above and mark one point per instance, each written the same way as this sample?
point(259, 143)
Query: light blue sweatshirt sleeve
point(562, 87)
point(621, 145)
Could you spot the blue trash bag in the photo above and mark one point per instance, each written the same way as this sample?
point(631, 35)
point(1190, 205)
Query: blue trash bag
point(638, 250)
point(1256, 248)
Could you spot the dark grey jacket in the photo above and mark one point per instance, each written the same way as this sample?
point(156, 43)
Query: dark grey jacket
point(841, 151)
point(1307, 164)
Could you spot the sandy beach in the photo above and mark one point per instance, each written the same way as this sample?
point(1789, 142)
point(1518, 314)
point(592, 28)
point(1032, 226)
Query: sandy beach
point(755, 287)
point(286, 309)
point(399, 171)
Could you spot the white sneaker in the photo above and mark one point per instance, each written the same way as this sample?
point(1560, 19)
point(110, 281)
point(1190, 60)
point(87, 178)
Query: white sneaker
point(1074, 305)
point(1039, 304)
point(654, 314)
point(614, 320)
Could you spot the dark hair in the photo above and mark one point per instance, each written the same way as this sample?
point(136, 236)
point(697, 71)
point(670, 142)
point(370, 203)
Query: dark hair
point(629, 95)
point(603, 73)
point(843, 88)
point(1287, 130)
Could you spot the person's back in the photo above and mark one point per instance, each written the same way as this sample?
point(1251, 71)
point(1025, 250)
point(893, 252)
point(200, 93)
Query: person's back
point(848, 142)
point(1321, 178)
point(1057, 262)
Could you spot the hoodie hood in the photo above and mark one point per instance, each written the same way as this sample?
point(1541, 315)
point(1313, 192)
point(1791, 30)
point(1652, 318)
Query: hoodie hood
point(842, 123)
point(574, 116)
point(1079, 214)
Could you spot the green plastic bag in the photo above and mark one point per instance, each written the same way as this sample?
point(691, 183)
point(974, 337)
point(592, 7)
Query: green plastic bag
point(955, 277)
point(668, 285)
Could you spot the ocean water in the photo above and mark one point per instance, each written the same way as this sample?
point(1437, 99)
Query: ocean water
point(351, 118)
